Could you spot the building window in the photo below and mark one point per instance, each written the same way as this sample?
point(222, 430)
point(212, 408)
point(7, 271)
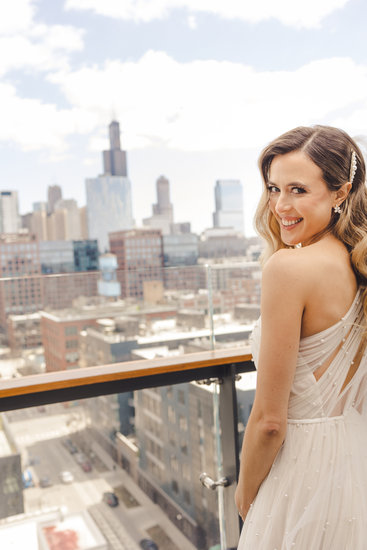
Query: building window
point(10, 485)
point(71, 344)
point(186, 496)
point(183, 423)
point(71, 330)
point(181, 397)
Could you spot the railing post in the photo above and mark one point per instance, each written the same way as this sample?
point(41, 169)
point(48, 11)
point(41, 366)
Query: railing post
point(230, 453)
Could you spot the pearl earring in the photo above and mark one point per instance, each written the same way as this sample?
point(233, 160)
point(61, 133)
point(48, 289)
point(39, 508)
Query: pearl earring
point(337, 209)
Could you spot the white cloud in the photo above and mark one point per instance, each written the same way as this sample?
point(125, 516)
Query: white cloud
point(192, 22)
point(28, 45)
point(195, 106)
point(34, 125)
point(300, 13)
point(16, 16)
point(208, 105)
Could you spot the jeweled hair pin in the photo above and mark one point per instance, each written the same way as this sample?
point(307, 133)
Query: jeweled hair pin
point(353, 166)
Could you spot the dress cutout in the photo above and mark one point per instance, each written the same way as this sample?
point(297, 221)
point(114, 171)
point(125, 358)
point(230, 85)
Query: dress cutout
point(315, 495)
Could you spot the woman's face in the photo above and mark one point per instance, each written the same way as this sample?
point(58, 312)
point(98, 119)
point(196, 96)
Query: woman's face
point(299, 197)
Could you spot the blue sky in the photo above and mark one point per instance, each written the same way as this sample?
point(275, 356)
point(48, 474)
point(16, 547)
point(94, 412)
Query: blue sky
point(198, 86)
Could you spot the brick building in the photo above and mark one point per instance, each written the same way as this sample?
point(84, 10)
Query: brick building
point(139, 254)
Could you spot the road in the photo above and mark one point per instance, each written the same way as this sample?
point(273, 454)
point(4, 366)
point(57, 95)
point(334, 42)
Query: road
point(40, 435)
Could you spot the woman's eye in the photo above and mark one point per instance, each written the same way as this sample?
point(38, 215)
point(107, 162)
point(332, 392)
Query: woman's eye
point(298, 190)
point(272, 189)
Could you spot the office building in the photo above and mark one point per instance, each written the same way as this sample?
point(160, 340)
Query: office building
point(180, 257)
point(38, 225)
point(54, 194)
point(176, 437)
point(229, 205)
point(68, 256)
point(109, 202)
point(24, 332)
point(40, 206)
point(114, 159)
point(19, 261)
point(139, 256)
point(180, 249)
point(11, 487)
point(222, 242)
point(56, 257)
point(10, 221)
point(86, 255)
point(162, 217)
point(60, 332)
point(65, 222)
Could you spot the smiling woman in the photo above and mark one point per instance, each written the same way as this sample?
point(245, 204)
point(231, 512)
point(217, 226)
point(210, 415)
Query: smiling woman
point(299, 198)
point(303, 476)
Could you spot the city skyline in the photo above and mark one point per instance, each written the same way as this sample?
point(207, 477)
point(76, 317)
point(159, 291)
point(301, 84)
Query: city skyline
point(198, 90)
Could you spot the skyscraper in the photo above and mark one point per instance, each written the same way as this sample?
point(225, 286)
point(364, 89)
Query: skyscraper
point(162, 217)
point(109, 204)
point(54, 194)
point(228, 204)
point(9, 212)
point(163, 206)
point(114, 159)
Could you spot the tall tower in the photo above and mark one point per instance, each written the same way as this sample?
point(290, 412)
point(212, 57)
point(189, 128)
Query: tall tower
point(228, 204)
point(162, 217)
point(54, 194)
point(114, 159)
point(109, 203)
point(163, 206)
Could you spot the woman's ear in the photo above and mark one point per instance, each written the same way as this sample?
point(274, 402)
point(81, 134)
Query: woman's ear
point(343, 191)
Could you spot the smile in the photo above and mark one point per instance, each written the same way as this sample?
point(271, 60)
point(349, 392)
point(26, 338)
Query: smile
point(287, 223)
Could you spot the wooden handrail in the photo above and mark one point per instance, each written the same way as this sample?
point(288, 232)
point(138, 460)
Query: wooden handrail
point(49, 381)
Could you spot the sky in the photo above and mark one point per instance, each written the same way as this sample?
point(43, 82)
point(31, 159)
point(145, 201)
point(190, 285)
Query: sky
point(199, 87)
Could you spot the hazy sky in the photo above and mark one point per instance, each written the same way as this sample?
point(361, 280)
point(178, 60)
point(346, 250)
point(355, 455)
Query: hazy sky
point(198, 86)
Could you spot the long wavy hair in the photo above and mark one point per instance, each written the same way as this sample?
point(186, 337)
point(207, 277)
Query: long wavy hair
point(331, 150)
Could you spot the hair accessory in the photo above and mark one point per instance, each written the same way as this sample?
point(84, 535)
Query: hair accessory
point(337, 209)
point(353, 166)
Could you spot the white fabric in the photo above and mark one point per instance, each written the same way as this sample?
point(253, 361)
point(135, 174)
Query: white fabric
point(315, 495)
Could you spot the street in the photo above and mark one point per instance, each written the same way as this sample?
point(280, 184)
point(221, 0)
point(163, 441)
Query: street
point(40, 434)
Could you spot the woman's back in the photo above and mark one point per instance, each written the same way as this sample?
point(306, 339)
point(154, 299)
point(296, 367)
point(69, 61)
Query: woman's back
point(329, 281)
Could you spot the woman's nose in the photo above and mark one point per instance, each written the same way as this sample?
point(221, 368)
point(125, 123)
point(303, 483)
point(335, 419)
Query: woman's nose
point(283, 203)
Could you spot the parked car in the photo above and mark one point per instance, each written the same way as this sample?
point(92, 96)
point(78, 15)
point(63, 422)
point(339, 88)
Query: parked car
point(66, 477)
point(110, 499)
point(27, 479)
point(45, 482)
point(80, 458)
point(86, 466)
point(32, 460)
point(148, 544)
point(70, 446)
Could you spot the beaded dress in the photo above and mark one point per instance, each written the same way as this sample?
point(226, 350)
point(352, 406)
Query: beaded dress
point(315, 495)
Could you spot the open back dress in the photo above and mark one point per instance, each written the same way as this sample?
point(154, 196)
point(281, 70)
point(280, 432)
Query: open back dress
point(315, 495)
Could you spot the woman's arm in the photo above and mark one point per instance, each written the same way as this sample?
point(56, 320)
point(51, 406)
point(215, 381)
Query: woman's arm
point(282, 304)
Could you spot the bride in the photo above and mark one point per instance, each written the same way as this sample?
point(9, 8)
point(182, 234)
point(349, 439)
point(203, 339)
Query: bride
point(303, 475)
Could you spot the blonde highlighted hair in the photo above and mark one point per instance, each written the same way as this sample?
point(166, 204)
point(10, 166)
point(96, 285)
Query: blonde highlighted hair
point(331, 150)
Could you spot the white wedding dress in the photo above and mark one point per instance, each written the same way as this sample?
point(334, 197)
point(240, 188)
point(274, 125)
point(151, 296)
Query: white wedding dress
point(315, 495)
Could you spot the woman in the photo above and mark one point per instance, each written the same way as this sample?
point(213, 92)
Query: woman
point(303, 476)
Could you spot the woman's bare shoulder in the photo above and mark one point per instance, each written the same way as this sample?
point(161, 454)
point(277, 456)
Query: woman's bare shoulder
point(289, 262)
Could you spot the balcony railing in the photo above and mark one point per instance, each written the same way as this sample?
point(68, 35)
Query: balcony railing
point(75, 373)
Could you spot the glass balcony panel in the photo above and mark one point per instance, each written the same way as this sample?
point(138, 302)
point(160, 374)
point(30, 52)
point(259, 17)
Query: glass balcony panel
point(148, 448)
point(70, 320)
point(235, 290)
